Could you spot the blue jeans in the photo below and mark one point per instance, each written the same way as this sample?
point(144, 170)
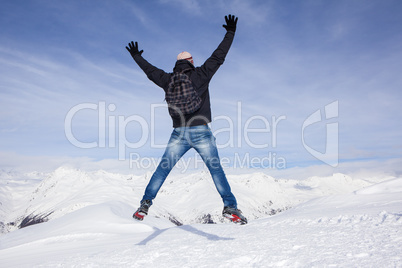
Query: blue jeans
point(203, 141)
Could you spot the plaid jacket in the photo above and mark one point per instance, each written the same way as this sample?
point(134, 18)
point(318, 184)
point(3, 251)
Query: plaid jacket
point(181, 95)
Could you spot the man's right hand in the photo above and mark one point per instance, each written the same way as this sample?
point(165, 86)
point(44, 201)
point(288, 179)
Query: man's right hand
point(230, 23)
point(133, 49)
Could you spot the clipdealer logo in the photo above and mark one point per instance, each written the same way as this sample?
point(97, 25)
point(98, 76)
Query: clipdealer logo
point(112, 133)
point(331, 154)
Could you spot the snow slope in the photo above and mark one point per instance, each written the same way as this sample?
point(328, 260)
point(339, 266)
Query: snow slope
point(186, 199)
point(336, 220)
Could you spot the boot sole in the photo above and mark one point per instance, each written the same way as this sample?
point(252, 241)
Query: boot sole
point(139, 216)
point(235, 219)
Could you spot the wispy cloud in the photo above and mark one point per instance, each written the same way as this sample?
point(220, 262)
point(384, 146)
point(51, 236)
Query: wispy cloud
point(190, 6)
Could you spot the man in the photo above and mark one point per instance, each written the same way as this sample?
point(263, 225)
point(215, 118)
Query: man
point(191, 128)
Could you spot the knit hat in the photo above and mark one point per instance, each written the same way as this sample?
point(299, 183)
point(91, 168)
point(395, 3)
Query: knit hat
point(185, 56)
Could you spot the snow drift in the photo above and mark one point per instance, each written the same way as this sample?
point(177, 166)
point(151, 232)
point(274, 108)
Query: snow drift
point(85, 220)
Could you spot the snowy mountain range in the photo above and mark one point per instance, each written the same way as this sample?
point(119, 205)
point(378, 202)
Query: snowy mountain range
point(78, 218)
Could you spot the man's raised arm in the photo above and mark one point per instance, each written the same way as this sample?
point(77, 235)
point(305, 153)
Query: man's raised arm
point(217, 58)
point(156, 75)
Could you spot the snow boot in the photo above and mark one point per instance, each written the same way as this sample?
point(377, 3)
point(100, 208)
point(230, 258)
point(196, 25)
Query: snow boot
point(142, 211)
point(234, 215)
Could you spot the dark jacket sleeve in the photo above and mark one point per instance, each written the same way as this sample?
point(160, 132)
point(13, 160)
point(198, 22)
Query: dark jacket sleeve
point(212, 64)
point(156, 75)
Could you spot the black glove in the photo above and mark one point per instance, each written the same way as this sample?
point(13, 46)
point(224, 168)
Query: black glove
point(133, 49)
point(230, 23)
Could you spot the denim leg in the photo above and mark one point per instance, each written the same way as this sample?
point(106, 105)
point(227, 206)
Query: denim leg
point(204, 143)
point(175, 149)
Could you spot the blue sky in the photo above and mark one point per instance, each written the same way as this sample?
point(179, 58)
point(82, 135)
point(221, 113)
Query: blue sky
point(289, 59)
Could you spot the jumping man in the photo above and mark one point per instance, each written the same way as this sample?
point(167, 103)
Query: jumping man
point(187, 95)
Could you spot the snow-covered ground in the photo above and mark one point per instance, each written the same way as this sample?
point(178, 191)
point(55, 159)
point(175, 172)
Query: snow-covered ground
point(338, 220)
